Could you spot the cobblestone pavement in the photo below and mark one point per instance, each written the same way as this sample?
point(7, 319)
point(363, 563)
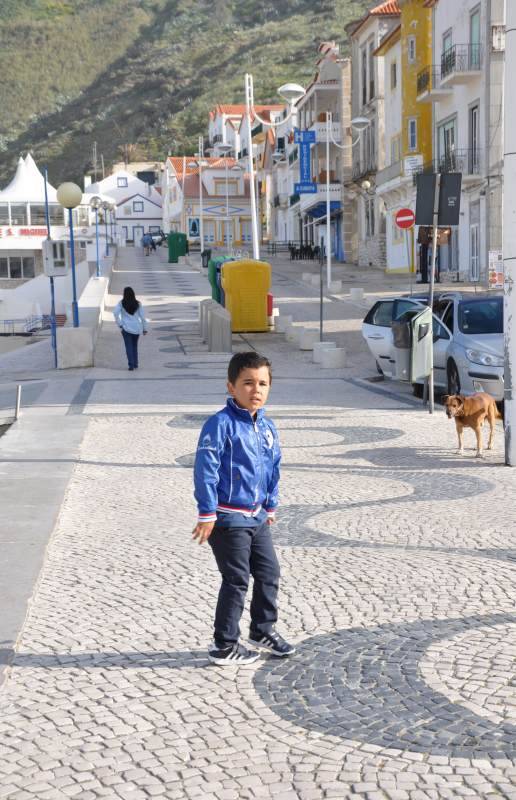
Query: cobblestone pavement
point(399, 569)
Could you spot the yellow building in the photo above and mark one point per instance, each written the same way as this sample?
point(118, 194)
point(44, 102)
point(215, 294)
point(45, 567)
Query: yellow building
point(416, 54)
point(405, 53)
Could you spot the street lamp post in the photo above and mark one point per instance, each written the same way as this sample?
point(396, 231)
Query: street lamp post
point(509, 237)
point(199, 163)
point(95, 204)
point(69, 195)
point(106, 206)
point(291, 93)
point(225, 149)
point(359, 124)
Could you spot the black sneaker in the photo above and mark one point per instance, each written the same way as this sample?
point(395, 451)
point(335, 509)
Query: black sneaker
point(272, 642)
point(236, 655)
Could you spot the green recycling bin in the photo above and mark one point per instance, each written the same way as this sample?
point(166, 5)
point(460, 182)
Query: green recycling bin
point(173, 247)
point(214, 266)
point(182, 244)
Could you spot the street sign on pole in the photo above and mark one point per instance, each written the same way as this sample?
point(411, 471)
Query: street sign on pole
point(405, 218)
point(304, 137)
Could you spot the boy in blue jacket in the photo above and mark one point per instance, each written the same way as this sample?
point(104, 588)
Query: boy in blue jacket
point(236, 478)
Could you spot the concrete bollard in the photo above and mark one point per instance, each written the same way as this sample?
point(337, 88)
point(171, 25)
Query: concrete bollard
point(319, 348)
point(204, 307)
point(282, 322)
point(356, 294)
point(315, 280)
point(333, 357)
point(307, 339)
point(335, 286)
point(219, 330)
point(293, 333)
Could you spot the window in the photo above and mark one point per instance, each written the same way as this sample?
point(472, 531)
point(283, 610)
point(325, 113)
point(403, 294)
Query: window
point(37, 215)
point(15, 267)
point(28, 266)
point(395, 148)
point(121, 183)
point(364, 76)
point(369, 217)
point(137, 205)
point(4, 267)
point(448, 317)
point(371, 71)
point(4, 214)
point(412, 134)
point(474, 115)
point(481, 316)
point(380, 314)
point(411, 49)
point(154, 229)
point(474, 39)
point(394, 75)
point(19, 214)
point(56, 213)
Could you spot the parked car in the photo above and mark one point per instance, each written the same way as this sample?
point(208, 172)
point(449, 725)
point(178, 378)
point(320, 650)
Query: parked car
point(468, 340)
point(158, 237)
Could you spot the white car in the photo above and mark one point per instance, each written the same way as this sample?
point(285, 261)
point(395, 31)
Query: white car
point(467, 334)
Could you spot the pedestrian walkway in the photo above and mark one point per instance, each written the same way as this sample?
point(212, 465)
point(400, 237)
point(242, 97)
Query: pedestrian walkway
point(399, 570)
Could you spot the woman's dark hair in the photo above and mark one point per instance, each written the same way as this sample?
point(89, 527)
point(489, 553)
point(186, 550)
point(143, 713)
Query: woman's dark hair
point(129, 301)
point(249, 360)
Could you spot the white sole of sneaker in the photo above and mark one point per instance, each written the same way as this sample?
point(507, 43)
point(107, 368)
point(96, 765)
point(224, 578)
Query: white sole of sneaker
point(270, 650)
point(223, 662)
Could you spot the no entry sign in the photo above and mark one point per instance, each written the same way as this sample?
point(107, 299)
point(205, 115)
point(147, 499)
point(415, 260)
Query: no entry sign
point(405, 218)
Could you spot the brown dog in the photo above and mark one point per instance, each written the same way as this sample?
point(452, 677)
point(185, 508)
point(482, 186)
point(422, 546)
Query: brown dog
point(472, 412)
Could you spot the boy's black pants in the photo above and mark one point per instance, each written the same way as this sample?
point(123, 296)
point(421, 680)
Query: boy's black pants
point(241, 552)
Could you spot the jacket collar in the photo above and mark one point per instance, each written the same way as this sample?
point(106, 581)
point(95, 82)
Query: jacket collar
point(243, 413)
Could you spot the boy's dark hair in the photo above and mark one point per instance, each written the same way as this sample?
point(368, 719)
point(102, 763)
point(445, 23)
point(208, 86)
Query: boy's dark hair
point(249, 360)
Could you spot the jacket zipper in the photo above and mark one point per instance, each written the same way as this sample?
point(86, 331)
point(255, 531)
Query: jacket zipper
point(255, 425)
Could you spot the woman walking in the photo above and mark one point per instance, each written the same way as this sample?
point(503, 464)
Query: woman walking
point(130, 318)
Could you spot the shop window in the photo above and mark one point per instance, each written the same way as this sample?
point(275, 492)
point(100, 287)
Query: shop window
point(28, 267)
point(15, 267)
point(19, 214)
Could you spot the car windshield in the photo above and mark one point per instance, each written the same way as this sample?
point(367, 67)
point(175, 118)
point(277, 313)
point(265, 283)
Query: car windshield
point(481, 316)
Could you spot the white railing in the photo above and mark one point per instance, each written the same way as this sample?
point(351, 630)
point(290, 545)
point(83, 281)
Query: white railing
point(309, 200)
point(321, 131)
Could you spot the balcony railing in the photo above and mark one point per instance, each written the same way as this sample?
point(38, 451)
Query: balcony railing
point(468, 162)
point(217, 138)
point(310, 200)
point(389, 173)
point(461, 58)
point(429, 78)
point(364, 166)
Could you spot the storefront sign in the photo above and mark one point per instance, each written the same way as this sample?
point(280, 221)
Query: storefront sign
point(305, 185)
point(5, 232)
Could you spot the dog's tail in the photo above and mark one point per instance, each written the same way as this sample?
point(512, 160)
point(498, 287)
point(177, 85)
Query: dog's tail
point(497, 411)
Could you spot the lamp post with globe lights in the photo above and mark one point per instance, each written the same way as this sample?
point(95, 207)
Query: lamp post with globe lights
point(200, 163)
point(95, 204)
point(291, 93)
point(106, 206)
point(359, 124)
point(69, 196)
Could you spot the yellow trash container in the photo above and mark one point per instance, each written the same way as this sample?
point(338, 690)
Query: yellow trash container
point(245, 285)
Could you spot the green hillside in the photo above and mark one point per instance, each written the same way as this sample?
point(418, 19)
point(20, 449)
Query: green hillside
point(144, 72)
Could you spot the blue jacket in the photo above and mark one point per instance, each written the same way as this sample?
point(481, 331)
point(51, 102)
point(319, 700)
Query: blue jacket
point(237, 465)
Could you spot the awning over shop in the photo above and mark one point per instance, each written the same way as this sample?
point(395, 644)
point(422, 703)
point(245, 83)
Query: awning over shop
point(319, 210)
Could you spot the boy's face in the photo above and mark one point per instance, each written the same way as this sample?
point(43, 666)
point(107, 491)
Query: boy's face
point(251, 388)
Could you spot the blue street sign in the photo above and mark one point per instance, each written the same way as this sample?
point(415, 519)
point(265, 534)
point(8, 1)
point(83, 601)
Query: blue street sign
point(305, 175)
point(304, 137)
point(305, 188)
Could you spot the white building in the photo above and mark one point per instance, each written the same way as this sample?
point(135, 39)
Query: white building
point(138, 205)
point(23, 225)
point(225, 197)
point(368, 100)
point(467, 98)
point(24, 288)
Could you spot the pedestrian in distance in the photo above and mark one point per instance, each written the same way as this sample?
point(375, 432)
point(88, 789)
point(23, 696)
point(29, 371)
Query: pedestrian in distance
point(146, 243)
point(130, 318)
point(236, 477)
point(152, 243)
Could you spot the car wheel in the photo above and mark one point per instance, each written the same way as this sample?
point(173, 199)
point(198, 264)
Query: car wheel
point(453, 378)
point(379, 369)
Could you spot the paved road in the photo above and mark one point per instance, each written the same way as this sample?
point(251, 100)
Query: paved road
point(399, 568)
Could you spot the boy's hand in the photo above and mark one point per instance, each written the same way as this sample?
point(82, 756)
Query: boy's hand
point(271, 520)
point(202, 531)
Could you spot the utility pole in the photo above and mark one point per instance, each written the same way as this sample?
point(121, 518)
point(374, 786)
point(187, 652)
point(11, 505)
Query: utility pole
point(509, 233)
